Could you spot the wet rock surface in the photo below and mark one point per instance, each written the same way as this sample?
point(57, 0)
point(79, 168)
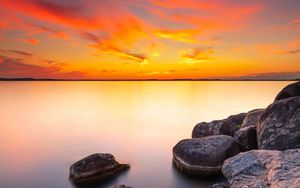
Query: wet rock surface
point(264, 168)
point(291, 90)
point(203, 156)
point(94, 168)
point(279, 126)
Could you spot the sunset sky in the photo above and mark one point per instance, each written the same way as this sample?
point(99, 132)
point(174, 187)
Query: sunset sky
point(141, 39)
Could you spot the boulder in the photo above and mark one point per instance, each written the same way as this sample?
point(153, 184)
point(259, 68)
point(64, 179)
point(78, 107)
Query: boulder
point(95, 167)
point(279, 126)
point(246, 138)
point(220, 185)
point(217, 127)
point(252, 117)
point(263, 168)
point(203, 156)
point(237, 119)
point(291, 90)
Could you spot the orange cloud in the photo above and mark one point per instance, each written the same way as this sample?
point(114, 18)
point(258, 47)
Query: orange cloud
point(196, 56)
point(296, 21)
point(32, 41)
point(188, 36)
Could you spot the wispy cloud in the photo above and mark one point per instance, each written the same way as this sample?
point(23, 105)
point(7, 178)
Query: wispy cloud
point(197, 55)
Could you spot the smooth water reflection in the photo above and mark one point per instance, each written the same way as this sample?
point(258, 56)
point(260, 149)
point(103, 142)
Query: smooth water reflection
point(46, 126)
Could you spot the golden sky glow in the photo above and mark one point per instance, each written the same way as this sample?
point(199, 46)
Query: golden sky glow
point(137, 39)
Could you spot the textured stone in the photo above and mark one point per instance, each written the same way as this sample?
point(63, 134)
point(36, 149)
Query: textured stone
point(252, 117)
point(263, 168)
point(95, 167)
point(203, 156)
point(279, 126)
point(246, 138)
point(291, 90)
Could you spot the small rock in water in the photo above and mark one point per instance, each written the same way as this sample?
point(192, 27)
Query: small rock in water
point(204, 156)
point(291, 90)
point(95, 167)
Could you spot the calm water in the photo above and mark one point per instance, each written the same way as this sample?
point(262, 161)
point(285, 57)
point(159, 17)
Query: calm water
point(46, 126)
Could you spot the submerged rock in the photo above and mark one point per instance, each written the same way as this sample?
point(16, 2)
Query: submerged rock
point(252, 117)
point(291, 90)
point(263, 168)
point(246, 138)
point(95, 167)
point(279, 126)
point(203, 156)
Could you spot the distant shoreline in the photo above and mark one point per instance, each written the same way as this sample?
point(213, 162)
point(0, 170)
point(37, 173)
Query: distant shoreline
point(105, 80)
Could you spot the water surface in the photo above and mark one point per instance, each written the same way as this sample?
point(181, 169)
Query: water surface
point(47, 126)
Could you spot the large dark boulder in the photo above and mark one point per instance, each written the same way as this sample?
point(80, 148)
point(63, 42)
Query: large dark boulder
point(203, 156)
point(246, 138)
point(279, 126)
point(95, 167)
point(217, 127)
point(291, 90)
point(263, 168)
point(252, 117)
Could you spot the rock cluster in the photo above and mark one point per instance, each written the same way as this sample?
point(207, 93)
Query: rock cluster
point(269, 140)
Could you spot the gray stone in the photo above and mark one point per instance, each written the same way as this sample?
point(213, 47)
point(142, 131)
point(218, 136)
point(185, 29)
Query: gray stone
point(246, 138)
point(95, 167)
point(263, 168)
point(291, 90)
point(237, 119)
point(279, 126)
point(217, 127)
point(252, 117)
point(203, 156)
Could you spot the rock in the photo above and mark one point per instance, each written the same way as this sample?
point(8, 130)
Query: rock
point(246, 138)
point(203, 156)
point(119, 186)
point(220, 185)
point(263, 168)
point(279, 126)
point(291, 90)
point(217, 127)
point(95, 167)
point(237, 119)
point(252, 117)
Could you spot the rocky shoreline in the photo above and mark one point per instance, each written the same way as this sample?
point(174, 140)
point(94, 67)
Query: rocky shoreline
point(268, 140)
point(257, 149)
